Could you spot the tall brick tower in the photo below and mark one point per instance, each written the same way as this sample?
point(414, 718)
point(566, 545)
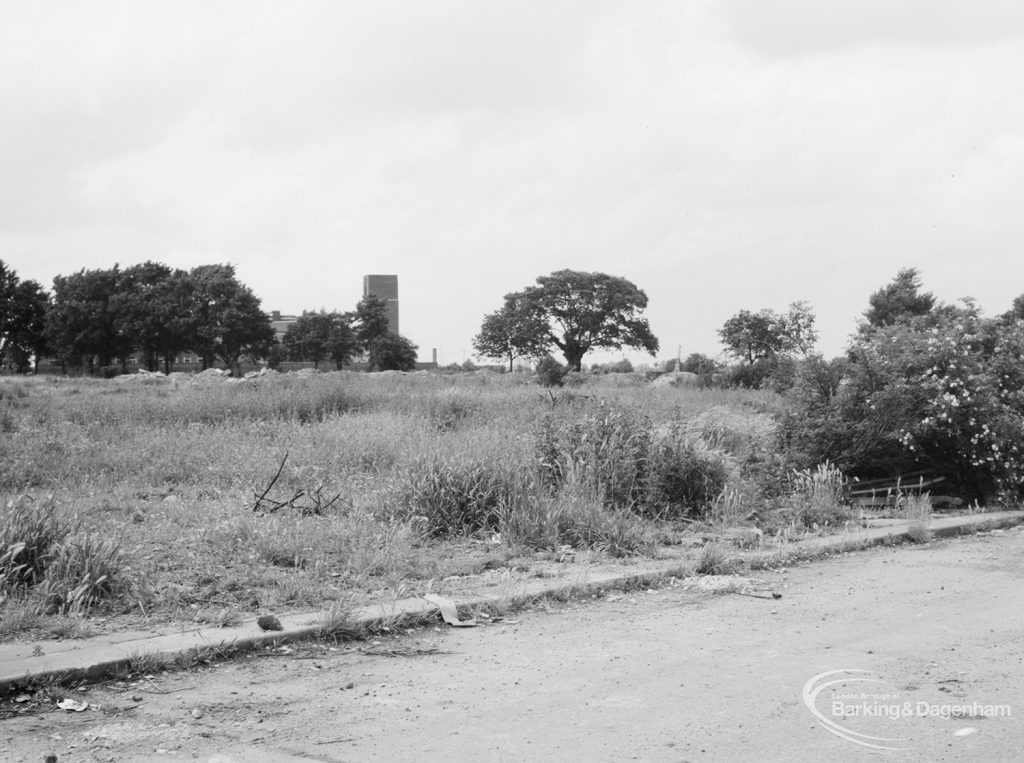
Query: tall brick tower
point(385, 287)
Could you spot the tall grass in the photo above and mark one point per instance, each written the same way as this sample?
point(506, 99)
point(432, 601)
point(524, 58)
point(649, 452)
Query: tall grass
point(29, 529)
point(616, 452)
point(83, 571)
point(43, 556)
point(573, 514)
point(917, 511)
point(819, 496)
point(171, 468)
point(458, 495)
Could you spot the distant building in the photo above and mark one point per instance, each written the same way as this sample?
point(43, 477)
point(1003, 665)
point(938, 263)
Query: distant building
point(281, 323)
point(385, 287)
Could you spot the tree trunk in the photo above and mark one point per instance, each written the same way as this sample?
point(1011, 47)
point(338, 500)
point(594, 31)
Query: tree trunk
point(574, 358)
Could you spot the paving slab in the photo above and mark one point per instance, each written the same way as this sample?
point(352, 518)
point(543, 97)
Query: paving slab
point(99, 656)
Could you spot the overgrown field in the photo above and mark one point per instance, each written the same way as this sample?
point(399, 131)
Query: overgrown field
point(148, 497)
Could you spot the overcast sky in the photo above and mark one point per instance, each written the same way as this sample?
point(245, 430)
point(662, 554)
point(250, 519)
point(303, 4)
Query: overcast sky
point(722, 155)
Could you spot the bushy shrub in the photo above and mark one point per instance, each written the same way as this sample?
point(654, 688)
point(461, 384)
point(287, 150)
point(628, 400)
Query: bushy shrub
point(550, 372)
point(939, 392)
point(459, 495)
point(685, 478)
point(615, 452)
point(751, 375)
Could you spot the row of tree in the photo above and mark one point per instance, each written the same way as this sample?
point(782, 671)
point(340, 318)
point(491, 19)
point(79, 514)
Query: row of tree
point(98, 319)
point(341, 337)
point(576, 312)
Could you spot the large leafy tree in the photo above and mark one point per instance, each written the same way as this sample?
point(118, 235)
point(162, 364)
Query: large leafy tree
point(582, 311)
point(229, 321)
point(384, 350)
point(765, 335)
point(514, 331)
point(371, 320)
point(26, 337)
point(392, 353)
point(321, 336)
point(80, 325)
point(23, 306)
point(899, 300)
point(8, 281)
point(154, 310)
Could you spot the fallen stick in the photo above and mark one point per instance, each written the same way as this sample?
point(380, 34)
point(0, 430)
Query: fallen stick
point(259, 500)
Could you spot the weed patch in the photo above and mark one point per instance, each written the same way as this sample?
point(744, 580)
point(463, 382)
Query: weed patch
point(917, 510)
point(818, 497)
point(424, 466)
point(458, 495)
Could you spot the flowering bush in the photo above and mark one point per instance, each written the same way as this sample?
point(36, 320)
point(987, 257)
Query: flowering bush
point(942, 392)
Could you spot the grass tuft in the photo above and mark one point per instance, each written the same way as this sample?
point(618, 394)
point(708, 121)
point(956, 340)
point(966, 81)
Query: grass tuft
point(917, 510)
point(29, 529)
point(714, 559)
point(818, 499)
point(83, 570)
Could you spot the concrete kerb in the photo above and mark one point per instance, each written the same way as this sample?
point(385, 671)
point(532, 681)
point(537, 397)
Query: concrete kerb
point(96, 658)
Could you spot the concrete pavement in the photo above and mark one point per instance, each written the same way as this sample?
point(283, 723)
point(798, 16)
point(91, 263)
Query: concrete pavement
point(99, 656)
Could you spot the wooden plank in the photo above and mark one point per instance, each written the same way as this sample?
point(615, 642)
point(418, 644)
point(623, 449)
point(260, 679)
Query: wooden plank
point(902, 478)
point(904, 487)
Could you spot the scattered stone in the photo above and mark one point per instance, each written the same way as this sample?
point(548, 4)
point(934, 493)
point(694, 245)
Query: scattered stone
point(269, 623)
point(73, 706)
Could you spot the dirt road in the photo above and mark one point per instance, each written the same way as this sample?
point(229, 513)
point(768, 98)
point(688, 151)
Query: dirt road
point(673, 674)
